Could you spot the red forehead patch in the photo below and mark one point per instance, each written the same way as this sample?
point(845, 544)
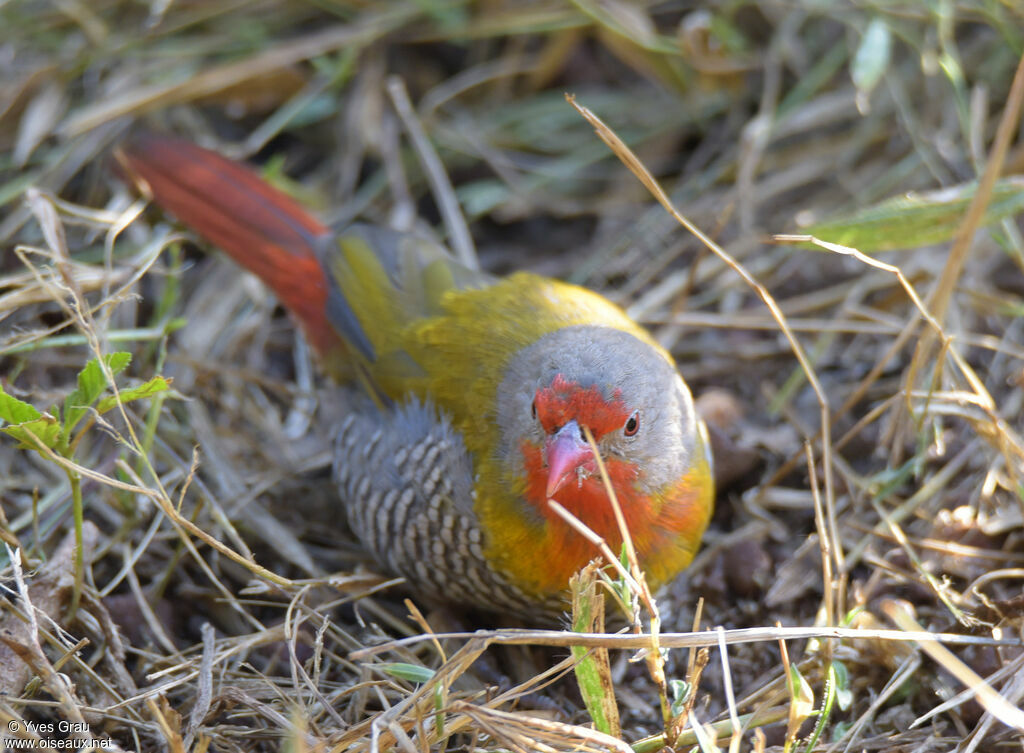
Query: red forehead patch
point(565, 400)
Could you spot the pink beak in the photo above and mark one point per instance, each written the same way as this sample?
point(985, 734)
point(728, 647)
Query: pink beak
point(566, 451)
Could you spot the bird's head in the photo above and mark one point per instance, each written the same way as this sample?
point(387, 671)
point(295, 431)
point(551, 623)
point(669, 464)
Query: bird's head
point(626, 392)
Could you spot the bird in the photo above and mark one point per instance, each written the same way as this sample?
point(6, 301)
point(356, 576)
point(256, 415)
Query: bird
point(475, 395)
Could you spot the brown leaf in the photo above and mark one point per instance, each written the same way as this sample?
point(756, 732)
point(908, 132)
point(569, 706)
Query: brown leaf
point(49, 589)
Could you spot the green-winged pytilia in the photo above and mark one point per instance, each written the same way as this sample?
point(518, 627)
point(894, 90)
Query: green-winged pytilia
point(480, 388)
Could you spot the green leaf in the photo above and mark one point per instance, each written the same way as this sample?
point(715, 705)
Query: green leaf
point(405, 671)
point(118, 362)
point(148, 389)
point(801, 699)
point(852, 615)
point(841, 678)
point(439, 704)
point(593, 674)
point(919, 219)
point(871, 58)
point(15, 411)
point(839, 730)
point(593, 666)
point(46, 428)
point(628, 21)
point(91, 384)
point(680, 691)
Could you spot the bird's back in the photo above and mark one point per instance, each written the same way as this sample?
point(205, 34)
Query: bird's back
point(423, 325)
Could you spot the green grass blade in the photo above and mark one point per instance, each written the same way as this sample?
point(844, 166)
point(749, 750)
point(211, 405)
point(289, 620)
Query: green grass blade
point(918, 219)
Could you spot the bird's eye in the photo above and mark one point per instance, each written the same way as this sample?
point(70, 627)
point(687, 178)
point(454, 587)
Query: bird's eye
point(533, 410)
point(632, 425)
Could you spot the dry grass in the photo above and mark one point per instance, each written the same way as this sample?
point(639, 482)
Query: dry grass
point(867, 553)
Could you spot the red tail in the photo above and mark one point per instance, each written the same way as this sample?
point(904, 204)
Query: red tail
point(261, 228)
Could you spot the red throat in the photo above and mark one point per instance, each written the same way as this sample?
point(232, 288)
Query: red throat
point(584, 496)
point(665, 525)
